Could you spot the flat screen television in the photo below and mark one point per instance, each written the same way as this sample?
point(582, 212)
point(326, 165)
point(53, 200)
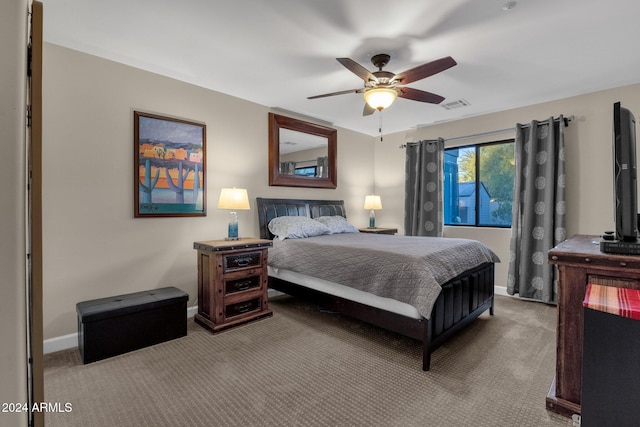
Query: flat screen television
point(624, 174)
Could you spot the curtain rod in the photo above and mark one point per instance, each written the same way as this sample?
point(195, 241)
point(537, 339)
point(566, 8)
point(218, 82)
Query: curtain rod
point(566, 121)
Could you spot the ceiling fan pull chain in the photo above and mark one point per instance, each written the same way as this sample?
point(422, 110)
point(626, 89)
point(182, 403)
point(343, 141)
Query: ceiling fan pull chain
point(380, 126)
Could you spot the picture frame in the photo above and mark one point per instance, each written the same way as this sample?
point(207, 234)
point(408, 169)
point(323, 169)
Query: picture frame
point(169, 166)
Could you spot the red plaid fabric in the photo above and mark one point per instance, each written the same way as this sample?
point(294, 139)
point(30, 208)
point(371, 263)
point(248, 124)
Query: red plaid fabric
point(609, 299)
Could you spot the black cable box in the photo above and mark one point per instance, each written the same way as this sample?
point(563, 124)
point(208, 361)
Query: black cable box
point(620, 247)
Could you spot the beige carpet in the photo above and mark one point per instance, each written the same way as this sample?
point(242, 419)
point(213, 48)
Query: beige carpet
point(303, 367)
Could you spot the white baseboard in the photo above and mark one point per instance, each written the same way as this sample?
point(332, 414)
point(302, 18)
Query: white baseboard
point(64, 342)
point(501, 290)
point(60, 343)
point(191, 311)
point(271, 293)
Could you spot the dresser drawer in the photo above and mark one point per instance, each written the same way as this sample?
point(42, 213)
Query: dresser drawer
point(242, 284)
point(242, 307)
point(239, 261)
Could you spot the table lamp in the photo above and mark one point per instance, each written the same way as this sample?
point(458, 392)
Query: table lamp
point(233, 199)
point(373, 203)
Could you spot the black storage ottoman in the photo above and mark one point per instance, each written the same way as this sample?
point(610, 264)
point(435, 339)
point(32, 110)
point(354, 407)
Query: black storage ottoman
point(116, 325)
point(611, 357)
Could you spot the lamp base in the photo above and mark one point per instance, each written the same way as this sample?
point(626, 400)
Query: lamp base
point(233, 226)
point(231, 238)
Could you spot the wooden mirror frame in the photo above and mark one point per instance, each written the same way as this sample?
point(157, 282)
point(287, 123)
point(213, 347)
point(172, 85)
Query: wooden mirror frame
point(276, 122)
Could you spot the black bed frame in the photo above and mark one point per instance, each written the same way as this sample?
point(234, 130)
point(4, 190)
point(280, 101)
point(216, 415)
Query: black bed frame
point(462, 299)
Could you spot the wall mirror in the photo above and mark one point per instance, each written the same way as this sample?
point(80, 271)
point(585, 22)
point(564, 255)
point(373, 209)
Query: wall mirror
point(301, 154)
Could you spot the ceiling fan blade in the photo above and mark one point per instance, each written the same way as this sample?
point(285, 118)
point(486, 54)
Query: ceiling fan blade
point(367, 111)
point(425, 70)
point(342, 92)
point(356, 69)
point(419, 95)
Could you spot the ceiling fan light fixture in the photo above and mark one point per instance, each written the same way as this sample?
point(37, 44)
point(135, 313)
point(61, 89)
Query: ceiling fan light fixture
point(380, 98)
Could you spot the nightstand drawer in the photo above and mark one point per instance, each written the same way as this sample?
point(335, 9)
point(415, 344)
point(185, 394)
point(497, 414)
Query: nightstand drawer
point(243, 260)
point(242, 284)
point(242, 307)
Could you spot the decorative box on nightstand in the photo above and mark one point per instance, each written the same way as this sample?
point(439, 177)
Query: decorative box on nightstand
point(379, 230)
point(232, 282)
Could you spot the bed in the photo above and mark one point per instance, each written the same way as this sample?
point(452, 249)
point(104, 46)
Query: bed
point(431, 313)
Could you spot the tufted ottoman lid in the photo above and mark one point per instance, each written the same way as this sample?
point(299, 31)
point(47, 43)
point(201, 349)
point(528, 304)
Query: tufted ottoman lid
point(103, 308)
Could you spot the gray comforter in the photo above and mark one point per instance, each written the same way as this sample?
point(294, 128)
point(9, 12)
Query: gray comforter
point(405, 268)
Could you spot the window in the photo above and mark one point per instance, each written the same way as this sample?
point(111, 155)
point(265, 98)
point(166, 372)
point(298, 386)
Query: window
point(478, 184)
point(306, 171)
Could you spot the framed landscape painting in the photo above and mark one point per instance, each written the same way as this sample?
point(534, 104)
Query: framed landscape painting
point(169, 166)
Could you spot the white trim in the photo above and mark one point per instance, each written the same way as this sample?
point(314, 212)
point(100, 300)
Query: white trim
point(191, 311)
point(60, 343)
point(272, 293)
point(501, 290)
point(65, 342)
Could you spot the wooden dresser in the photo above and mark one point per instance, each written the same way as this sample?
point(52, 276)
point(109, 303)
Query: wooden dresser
point(580, 262)
point(232, 282)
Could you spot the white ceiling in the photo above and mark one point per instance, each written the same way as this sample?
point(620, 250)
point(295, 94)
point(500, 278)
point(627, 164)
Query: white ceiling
point(279, 52)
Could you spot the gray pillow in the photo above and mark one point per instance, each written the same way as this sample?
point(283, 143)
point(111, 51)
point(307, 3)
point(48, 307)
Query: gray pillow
point(296, 227)
point(337, 224)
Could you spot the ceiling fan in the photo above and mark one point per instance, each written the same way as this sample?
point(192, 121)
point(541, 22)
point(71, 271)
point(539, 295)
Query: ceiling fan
point(382, 87)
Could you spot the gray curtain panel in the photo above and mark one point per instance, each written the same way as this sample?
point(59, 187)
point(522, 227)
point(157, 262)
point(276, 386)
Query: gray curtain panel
point(539, 209)
point(424, 181)
point(288, 168)
point(323, 167)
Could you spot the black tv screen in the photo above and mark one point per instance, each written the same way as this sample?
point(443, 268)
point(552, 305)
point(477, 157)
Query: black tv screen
point(625, 177)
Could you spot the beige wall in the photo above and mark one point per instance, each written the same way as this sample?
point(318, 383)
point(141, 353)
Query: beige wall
point(93, 247)
point(13, 334)
point(589, 163)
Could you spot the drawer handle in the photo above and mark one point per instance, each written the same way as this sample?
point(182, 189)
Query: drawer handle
point(243, 308)
point(242, 261)
point(241, 286)
point(554, 257)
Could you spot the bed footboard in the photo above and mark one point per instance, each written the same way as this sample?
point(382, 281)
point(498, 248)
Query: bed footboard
point(462, 300)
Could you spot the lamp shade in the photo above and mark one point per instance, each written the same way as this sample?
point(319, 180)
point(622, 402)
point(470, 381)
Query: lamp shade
point(380, 98)
point(372, 202)
point(233, 199)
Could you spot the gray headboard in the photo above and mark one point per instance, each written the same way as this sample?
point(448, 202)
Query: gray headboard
point(272, 208)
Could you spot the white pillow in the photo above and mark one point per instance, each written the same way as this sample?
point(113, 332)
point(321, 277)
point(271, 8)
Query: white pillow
point(337, 224)
point(296, 227)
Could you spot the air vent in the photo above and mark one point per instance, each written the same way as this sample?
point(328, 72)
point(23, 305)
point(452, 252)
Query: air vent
point(455, 104)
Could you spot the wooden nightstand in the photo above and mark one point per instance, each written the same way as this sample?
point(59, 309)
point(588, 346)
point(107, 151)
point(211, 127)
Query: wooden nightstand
point(232, 282)
point(379, 230)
